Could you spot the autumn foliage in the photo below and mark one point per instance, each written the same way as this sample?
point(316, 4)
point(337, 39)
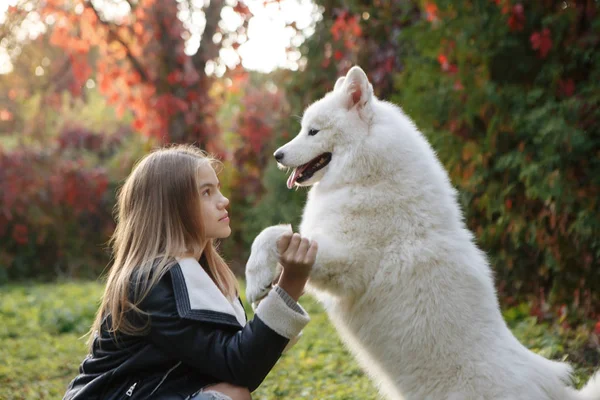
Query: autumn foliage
point(511, 106)
point(55, 206)
point(139, 62)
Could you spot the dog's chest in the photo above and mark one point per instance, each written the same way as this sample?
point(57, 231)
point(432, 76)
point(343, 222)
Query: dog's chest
point(337, 212)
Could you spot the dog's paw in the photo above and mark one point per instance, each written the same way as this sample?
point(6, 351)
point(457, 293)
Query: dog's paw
point(262, 266)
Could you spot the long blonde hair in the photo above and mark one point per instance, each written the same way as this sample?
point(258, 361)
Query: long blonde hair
point(158, 218)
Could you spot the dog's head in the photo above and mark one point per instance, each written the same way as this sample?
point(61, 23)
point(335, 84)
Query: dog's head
point(337, 121)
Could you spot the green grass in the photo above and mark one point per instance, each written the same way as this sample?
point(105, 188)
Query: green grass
point(41, 347)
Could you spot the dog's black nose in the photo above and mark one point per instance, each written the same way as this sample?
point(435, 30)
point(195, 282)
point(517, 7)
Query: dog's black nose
point(279, 155)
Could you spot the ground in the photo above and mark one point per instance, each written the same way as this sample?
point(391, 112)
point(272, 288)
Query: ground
point(41, 346)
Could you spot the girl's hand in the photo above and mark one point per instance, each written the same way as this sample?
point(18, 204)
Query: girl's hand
point(297, 256)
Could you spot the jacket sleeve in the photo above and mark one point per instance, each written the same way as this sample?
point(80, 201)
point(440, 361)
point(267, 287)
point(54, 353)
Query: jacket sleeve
point(240, 356)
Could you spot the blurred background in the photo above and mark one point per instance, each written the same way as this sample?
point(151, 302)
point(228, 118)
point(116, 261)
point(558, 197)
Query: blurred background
point(507, 92)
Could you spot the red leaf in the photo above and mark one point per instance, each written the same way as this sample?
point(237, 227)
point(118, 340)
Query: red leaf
point(174, 77)
point(443, 60)
point(138, 124)
point(242, 9)
point(566, 88)
point(338, 27)
point(5, 115)
point(355, 27)
point(20, 233)
point(516, 21)
point(542, 42)
point(431, 12)
point(347, 27)
point(105, 85)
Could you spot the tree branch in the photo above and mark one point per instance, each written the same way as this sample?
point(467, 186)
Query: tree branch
point(208, 49)
point(134, 61)
point(58, 77)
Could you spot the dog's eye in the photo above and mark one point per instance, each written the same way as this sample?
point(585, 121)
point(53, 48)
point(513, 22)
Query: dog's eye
point(313, 132)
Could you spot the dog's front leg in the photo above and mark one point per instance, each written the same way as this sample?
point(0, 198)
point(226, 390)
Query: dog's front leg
point(340, 269)
point(262, 267)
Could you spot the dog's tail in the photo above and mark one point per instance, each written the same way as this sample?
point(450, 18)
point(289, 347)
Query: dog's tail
point(591, 391)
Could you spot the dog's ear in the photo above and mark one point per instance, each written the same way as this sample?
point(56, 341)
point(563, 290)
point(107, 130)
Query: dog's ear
point(339, 83)
point(357, 87)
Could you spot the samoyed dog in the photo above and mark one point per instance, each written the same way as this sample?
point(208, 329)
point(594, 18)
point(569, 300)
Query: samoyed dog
point(397, 270)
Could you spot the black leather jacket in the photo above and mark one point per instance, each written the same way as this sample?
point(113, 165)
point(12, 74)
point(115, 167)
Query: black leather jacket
point(194, 340)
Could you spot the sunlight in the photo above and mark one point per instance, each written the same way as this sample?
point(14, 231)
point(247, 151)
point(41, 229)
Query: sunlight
point(264, 49)
point(268, 36)
point(4, 4)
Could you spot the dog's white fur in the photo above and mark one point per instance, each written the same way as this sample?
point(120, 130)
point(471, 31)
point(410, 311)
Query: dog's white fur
point(397, 270)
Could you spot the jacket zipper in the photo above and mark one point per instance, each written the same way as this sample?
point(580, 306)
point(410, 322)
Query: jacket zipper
point(164, 377)
point(129, 392)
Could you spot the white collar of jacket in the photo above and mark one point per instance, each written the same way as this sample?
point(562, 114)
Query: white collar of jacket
point(198, 297)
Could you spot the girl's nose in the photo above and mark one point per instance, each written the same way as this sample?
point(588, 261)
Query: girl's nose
point(224, 202)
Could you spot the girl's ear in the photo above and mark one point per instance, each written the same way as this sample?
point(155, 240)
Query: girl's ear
point(357, 88)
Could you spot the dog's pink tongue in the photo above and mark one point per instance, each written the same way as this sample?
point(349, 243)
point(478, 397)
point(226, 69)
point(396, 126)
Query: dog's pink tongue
point(293, 177)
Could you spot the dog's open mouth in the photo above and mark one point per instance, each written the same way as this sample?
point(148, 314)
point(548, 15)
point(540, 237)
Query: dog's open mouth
point(305, 171)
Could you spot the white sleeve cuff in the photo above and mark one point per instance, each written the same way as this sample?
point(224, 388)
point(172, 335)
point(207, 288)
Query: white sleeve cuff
point(292, 342)
point(277, 315)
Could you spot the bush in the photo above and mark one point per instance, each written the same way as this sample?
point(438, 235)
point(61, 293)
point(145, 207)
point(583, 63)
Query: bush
point(508, 95)
point(56, 203)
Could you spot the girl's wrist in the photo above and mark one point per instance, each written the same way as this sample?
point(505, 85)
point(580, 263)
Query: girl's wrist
point(294, 286)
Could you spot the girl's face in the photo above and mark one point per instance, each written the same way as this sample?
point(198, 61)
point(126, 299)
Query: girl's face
point(214, 214)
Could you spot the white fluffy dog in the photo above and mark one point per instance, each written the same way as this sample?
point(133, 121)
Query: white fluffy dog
point(397, 270)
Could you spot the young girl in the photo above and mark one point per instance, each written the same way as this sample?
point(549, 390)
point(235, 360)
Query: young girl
point(171, 325)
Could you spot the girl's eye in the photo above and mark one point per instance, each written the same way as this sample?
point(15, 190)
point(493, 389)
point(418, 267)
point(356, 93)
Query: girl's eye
point(206, 192)
point(313, 132)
